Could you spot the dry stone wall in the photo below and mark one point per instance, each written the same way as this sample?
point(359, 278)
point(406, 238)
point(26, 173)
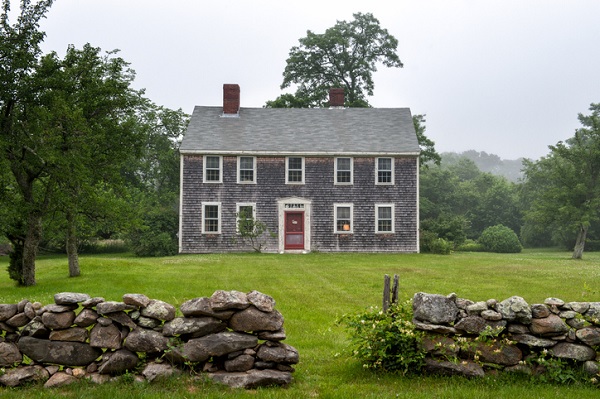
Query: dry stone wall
point(236, 338)
point(468, 338)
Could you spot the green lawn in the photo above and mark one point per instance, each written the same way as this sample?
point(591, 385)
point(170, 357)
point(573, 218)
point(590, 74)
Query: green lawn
point(312, 291)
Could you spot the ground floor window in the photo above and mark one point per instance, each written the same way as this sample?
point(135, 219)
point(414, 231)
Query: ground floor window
point(384, 218)
point(343, 215)
point(246, 217)
point(211, 217)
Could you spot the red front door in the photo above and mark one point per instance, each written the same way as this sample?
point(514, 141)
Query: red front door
point(294, 230)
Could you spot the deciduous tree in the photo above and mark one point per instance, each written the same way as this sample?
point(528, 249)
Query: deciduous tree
point(346, 56)
point(564, 186)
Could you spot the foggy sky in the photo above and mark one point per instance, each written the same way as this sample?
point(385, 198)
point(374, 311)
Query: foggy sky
point(503, 76)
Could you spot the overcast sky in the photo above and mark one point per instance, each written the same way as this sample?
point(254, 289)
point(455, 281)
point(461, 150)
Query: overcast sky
point(503, 76)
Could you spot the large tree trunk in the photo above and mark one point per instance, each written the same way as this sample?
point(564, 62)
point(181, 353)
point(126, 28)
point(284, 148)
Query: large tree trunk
point(72, 254)
point(30, 247)
point(580, 243)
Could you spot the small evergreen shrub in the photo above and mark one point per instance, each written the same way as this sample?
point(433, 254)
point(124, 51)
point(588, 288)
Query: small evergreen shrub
point(500, 239)
point(388, 340)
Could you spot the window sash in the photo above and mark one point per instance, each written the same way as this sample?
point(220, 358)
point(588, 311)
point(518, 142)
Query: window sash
point(212, 169)
point(343, 170)
point(246, 215)
point(385, 171)
point(211, 218)
point(384, 218)
point(246, 169)
point(344, 222)
point(295, 170)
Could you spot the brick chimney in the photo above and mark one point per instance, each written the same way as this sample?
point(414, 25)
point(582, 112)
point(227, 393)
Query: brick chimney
point(336, 97)
point(231, 99)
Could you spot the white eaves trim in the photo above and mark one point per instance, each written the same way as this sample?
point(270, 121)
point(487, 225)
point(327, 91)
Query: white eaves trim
point(301, 154)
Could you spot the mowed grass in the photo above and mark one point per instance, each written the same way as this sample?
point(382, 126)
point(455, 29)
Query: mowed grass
point(312, 291)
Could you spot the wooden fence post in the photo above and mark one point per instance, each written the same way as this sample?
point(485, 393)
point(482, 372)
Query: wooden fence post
point(395, 289)
point(386, 292)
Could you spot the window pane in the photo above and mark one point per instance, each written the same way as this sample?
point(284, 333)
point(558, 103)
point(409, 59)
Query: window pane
point(246, 175)
point(385, 212)
point(295, 175)
point(212, 162)
point(343, 177)
point(213, 175)
point(384, 225)
point(343, 212)
point(211, 225)
point(211, 212)
point(343, 164)
point(384, 164)
point(295, 163)
point(246, 163)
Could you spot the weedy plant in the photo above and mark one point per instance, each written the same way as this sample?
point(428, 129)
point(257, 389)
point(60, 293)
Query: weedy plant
point(386, 340)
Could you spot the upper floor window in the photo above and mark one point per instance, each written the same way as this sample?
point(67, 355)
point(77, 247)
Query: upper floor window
point(343, 217)
point(211, 217)
point(384, 218)
point(384, 170)
point(294, 170)
point(246, 169)
point(343, 171)
point(213, 166)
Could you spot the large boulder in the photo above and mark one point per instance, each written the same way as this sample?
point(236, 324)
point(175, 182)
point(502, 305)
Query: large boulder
point(58, 321)
point(7, 311)
point(516, 309)
point(567, 350)
point(278, 353)
point(108, 336)
point(201, 307)
point(443, 367)
point(589, 336)
point(70, 298)
point(159, 310)
point(219, 344)
point(143, 340)
point(23, 375)
point(9, 354)
point(58, 352)
point(252, 379)
point(434, 309)
point(199, 326)
point(549, 326)
point(227, 300)
point(263, 302)
point(118, 362)
point(252, 319)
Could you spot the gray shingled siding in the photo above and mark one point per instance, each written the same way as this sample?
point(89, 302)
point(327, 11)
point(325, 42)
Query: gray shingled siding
point(319, 188)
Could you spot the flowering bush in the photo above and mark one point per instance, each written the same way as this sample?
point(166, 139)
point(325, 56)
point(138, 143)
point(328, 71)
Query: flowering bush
point(387, 340)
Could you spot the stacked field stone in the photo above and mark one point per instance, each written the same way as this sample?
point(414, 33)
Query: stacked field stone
point(235, 337)
point(514, 332)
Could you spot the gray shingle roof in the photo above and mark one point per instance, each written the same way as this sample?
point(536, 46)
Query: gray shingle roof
point(310, 131)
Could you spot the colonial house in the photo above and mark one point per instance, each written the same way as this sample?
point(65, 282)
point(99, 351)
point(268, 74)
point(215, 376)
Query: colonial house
point(329, 179)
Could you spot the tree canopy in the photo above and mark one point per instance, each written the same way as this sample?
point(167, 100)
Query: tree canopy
point(563, 188)
point(345, 56)
point(71, 130)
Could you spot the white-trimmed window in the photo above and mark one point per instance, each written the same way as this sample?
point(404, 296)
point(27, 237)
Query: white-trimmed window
point(294, 170)
point(384, 218)
point(384, 170)
point(245, 216)
point(213, 167)
point(344, 168)
point(343, 215)
point(246, 170)
point(211, 218)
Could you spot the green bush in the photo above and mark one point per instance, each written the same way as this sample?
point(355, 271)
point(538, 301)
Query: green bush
point(431, 243)
point(500, 239)
point(470, 246)
point(387, 340)
point(157, 236)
